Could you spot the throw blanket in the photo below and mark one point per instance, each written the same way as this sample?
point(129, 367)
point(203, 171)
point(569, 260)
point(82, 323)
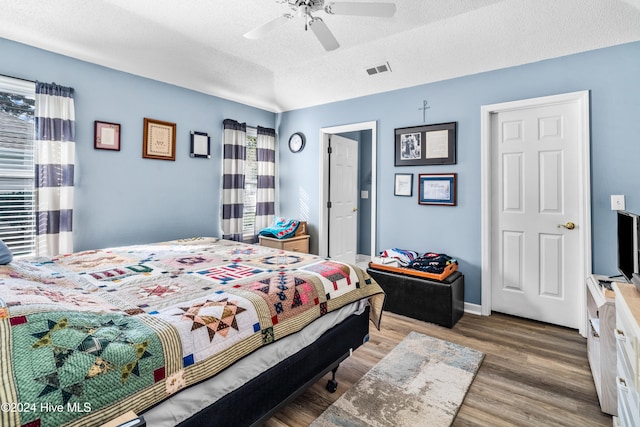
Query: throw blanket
point(402, 256)
point(281, 228)
point(90, 335)
point(432, 262)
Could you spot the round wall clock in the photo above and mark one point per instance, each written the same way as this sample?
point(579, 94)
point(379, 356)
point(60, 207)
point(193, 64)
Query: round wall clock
point(296, 142)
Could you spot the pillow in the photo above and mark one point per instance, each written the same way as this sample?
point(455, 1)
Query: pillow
point(5, 254)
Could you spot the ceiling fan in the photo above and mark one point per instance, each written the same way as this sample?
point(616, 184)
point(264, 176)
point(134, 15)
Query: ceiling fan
point(305, 8)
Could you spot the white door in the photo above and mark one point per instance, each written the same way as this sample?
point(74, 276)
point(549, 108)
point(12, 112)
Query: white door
point(536, 234)
point(343, 198)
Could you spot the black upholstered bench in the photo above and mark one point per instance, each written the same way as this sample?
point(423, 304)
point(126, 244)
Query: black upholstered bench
point(435, 301)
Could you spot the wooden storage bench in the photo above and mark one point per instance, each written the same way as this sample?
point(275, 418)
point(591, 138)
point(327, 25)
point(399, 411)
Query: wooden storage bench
point(436, 301)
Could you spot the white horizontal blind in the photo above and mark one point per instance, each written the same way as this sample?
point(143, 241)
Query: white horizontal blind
point(250, 183)
point(17, 172)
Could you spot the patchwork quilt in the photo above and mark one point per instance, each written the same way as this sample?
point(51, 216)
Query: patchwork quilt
point(87, 336)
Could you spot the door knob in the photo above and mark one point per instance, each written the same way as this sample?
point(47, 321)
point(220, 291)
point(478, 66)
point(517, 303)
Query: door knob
point(355, 209)
point(569, 225)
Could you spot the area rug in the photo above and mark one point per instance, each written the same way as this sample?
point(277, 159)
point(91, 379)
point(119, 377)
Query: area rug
point(421, 382)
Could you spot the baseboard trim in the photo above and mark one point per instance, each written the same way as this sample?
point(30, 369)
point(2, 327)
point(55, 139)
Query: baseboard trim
point(473, 308)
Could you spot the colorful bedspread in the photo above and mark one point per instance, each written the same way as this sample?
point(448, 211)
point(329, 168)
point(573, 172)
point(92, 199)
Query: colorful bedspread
point(90, 335)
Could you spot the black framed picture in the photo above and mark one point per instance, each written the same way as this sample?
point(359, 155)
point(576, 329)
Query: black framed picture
point(426, 145)
point(403, 185)
point(200, 145)
point(106, 136)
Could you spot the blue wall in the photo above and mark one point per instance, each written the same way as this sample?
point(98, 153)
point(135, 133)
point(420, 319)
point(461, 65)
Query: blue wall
point(121, 198)
point(612, 76)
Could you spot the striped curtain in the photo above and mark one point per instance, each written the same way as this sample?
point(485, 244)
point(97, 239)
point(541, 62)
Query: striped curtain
point(266, 192)
point(54, 164)
point(234, 155)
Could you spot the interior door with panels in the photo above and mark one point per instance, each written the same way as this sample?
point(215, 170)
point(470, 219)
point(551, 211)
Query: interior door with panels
point(343, 196)
point(535, 187)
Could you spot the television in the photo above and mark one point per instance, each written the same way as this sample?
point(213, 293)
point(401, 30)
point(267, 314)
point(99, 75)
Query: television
point(628, 244)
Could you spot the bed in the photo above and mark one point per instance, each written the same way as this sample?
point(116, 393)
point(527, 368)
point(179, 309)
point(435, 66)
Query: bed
point(197, 331)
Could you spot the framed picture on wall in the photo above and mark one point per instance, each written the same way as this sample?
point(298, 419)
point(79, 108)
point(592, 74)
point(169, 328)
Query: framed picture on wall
point(106, 136)
point(159, 140)
point(403, 185)
point(437, 189)
point(426, 145)
point(200, 145)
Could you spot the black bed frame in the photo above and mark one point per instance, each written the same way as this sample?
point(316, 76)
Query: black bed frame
point(259, 399)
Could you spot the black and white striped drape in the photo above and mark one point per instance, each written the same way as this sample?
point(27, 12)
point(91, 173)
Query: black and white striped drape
point(265, 195)
point(233, 158)
point(54, 163)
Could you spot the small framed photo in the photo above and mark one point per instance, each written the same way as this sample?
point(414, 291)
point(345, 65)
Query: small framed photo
point(200, 145)
point(159, 140)
point(426, 145)
point(403, 185)
point(106, 136)
point(437, 189)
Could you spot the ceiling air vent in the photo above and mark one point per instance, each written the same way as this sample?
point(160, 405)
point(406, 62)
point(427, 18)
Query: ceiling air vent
point(379, 69)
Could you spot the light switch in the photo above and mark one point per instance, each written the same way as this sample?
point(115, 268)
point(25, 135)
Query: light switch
point(617, 202)
point(364, 194)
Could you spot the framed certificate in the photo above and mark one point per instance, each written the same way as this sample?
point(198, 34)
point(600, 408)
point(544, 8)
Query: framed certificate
point(106, 136)
point(437, 189)
point(159, 140)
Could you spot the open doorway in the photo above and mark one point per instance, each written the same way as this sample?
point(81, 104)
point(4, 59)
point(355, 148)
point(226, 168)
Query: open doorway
point(366, 135)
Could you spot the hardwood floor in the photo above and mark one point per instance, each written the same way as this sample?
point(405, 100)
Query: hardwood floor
point(533, 374)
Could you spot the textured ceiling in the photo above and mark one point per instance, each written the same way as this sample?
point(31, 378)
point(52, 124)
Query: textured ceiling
point(199, 44)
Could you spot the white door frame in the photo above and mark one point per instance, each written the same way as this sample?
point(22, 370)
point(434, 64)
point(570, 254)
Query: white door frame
point(324, 180)
point(582, 100)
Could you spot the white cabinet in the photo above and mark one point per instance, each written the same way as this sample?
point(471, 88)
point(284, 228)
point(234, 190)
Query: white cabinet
point(627, 334)
point(601, 343)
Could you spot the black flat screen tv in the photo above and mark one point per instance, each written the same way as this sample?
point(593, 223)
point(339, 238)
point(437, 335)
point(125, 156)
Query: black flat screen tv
point(627, 244)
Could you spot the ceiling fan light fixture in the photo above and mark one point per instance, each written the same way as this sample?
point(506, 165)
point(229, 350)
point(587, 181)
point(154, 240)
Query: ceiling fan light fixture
point(305, 8)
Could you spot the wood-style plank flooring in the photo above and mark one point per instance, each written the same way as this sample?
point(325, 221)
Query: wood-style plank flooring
point(533, 374)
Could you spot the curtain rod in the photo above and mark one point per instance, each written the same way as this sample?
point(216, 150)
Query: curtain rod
point(18, 78)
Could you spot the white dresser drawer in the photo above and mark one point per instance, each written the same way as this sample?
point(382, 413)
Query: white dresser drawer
point(624, 365)
point(627, 341)
point(627, 399)
point(626, 356)
point(627, 336)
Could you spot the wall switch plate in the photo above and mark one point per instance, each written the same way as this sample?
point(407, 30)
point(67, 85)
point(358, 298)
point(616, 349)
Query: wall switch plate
point(364, 194)
point(617, 202)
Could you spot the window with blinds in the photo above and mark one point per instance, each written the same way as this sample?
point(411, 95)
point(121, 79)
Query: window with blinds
point(17, 171)
point(250, 183)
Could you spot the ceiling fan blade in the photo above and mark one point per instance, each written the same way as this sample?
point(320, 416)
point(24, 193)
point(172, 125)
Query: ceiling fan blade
point(323, 34)
point(267, 27)
point(383, 10)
